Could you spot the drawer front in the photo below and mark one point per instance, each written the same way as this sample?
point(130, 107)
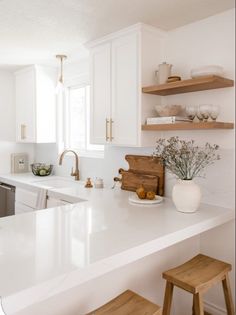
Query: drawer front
point(21, 208)
point(26, 197)
point(53, 202)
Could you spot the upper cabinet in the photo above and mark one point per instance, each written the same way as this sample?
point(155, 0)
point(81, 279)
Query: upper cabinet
point(125, 90)
point(35, 105)
point(121, 64)
point(100, 110)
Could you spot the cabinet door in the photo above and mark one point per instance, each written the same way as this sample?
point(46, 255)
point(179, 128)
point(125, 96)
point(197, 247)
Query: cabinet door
point(125, 90)
point(45, 104)
point(22, 208)
point(100, 59)
point(25, 105)
point(53, 202)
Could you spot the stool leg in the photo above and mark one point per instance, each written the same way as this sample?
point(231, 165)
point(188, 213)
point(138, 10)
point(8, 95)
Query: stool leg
point(193, 308)
point(198, 304)
point(168, 298)
point(228, 295)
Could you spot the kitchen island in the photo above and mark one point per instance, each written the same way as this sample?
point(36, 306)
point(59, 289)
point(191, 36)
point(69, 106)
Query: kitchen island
point(47, 252)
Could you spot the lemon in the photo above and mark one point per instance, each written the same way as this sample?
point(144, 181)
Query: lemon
point(42, 172)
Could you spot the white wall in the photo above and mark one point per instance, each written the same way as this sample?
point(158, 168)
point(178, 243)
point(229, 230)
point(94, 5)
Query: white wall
point(7, 123)
point(209, 41)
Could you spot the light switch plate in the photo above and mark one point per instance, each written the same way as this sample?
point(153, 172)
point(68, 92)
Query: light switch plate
point(19, 163)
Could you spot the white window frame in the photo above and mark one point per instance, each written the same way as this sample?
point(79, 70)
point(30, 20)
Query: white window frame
point(75, 83)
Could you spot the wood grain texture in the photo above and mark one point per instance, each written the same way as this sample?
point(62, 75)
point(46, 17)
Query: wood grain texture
point(130, 181)
point(140, 166)
point(128, 303)
point(189, 126)
point(168, 298)
point(198, 304)
point(198, 274)
point(228, 295)
point(191, 85)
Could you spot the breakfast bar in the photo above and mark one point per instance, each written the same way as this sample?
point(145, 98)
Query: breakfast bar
point(53, 250)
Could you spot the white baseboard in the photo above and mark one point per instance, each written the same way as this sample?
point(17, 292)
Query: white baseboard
point(214, 309)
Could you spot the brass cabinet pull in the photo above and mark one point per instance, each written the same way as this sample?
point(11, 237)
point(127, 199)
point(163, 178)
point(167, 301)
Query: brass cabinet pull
point(107, 136)
point(111, 122)
point(22, 130)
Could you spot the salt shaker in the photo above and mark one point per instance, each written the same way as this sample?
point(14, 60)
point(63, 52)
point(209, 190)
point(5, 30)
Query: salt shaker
point(98, 183)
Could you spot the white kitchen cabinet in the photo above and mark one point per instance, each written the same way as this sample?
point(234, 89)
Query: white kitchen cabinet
point(35, 104)
point(100, 93)
point(25, 200)
point(26, 197)
point(22, 208)
point(125, 93)
point(54, 202)
point(121, 63)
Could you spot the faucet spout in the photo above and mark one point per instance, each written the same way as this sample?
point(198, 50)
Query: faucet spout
point(76, 172)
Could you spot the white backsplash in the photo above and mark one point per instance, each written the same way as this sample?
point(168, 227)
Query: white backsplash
point(217, 186)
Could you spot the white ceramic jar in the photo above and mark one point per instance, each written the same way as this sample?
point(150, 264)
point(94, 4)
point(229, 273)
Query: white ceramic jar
point(163, 72)
point(186, 195)
point(98, 183)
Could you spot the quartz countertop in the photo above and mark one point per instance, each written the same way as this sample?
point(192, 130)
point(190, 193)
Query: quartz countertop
point(66, 246)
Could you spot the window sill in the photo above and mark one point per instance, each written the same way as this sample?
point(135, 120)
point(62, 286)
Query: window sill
point(88, 154)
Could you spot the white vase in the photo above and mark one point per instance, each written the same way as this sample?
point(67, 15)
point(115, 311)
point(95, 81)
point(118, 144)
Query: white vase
point(186, 195)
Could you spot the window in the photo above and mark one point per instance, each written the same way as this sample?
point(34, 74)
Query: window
point(77, 122)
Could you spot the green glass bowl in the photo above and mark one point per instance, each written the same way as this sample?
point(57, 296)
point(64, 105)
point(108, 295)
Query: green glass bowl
point(41, 169)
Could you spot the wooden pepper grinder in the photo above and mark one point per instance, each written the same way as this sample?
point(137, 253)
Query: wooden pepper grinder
point(88, 183)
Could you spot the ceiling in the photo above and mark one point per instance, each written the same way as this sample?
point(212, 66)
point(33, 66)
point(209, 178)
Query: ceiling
point(33, 31)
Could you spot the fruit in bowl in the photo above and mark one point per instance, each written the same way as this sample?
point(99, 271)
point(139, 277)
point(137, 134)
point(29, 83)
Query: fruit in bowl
point(169, 110)
point(41, 169)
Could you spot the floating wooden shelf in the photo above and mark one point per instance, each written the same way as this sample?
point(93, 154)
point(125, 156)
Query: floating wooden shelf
point(191, 85)
point(189, 126)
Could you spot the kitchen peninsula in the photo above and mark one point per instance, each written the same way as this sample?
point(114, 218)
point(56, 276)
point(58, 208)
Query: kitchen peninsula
point(53, 250)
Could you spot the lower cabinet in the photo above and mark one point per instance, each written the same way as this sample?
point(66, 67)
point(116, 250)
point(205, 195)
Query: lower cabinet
point(27, 200)
point(22, 208)
point(53, 202)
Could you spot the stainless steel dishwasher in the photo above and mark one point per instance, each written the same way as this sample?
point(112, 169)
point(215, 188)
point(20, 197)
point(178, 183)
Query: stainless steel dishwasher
point(7, 200)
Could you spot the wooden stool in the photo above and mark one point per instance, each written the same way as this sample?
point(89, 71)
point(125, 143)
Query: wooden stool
point(197, 276)
point(128, 303)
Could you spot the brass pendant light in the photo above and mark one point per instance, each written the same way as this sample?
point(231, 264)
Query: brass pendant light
point(60, 83)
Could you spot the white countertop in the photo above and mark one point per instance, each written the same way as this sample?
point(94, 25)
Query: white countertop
point(65, 246)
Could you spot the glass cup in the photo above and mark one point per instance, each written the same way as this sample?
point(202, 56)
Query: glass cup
point(205, 110)
point(191, 111)
point(214, 112)
point(199, 115)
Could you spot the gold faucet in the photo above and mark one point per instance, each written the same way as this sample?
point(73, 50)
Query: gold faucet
point(76, 172)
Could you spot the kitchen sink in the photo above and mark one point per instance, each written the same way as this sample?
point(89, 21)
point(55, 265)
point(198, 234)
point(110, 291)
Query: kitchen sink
point(57, 183)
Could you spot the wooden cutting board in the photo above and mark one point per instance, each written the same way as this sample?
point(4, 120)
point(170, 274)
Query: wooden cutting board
point(146, 170)
point(131, 181)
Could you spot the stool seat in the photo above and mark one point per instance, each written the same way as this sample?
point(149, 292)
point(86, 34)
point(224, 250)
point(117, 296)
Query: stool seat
point(197, 274)
point(128, 303)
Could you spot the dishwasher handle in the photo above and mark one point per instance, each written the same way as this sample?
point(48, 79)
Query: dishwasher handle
point(7, 187)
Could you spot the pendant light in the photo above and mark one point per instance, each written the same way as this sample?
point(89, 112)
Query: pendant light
point(60, 84)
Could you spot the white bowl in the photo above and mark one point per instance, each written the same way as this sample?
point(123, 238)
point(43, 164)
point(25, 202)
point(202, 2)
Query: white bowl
point(169, 110)
point(207, 70)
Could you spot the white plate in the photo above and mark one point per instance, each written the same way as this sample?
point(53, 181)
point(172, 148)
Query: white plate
point(207, 70)
point(135, 199)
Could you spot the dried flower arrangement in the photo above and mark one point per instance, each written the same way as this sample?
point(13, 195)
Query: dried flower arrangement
point(185, 159)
